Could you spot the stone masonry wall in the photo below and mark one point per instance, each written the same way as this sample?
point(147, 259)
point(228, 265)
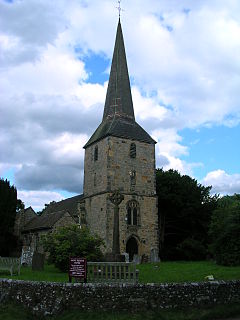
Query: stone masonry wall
point(110, 172)
point(112, 169)
point(51, 298)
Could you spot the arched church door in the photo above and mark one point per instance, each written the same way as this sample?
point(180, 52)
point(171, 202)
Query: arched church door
point(132, 247)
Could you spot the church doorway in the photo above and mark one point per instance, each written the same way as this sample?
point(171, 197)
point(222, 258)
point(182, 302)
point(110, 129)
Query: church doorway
point(132, 247)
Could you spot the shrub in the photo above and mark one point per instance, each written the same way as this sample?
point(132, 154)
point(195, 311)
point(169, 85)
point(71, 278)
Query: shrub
point(71, 241)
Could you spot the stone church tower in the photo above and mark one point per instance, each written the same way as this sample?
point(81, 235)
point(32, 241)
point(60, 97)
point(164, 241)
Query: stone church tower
point(120, 155)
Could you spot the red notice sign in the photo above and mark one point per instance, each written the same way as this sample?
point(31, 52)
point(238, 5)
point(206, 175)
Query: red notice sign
point(77, 268)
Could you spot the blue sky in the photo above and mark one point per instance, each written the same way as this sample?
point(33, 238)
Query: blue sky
point(215, 147)
point(183, 59)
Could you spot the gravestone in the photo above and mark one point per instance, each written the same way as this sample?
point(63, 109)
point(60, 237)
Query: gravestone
point(38, 261)
point(154, 256)
point(27, 255)
point(126, 255)
point(144, 258)
point(136, 259)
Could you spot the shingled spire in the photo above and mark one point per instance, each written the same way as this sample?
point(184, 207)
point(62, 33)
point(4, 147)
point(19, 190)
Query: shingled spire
point(119, 97)
point(118, 116)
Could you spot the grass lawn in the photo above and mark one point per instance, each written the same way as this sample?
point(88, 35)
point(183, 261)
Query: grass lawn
point(184, 271)
point(10, 312)
point(50, 273)
point(163, 272)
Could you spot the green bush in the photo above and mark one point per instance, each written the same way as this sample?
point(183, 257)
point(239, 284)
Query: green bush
point(71, 241)
point(225, 231)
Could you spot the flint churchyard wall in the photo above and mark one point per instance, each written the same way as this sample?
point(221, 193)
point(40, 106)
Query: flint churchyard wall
point(51, 298)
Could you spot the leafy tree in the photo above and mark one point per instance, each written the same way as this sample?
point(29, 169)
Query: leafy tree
point(184, 207)
point(8, 207)
point(225, 231)
point(72, 241)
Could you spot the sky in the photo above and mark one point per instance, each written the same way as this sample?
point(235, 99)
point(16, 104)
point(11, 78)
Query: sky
point(55, 56)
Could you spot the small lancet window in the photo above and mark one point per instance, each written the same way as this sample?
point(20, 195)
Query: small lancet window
point(135, 216)
point(96, 153)
point(132, 150)
point(129, 215)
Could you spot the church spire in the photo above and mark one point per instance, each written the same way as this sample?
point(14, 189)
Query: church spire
point(119, 98)
point(118, 116)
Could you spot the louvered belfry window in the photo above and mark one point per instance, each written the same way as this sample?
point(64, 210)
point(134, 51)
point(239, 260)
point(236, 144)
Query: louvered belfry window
point(133, 150)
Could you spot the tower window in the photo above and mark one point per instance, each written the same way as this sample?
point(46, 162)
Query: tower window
point(132, 151)
point(96, 153)
point(133, 216)
point(129, 215)
point(132, 174)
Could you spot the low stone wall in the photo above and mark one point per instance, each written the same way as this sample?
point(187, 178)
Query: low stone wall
point(51, 298)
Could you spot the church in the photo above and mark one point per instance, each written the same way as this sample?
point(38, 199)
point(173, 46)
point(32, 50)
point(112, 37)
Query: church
point(119, 159)
point(120, 156)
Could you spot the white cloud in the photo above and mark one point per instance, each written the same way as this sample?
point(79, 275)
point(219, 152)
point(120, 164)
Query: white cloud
point(222, 182)
point(37, 199)
point(67, 149)
point(183, 57)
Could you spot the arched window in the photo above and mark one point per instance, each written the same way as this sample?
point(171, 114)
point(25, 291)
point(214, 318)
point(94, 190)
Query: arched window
point(132, 150)
point(96, 153)
point(133, 213)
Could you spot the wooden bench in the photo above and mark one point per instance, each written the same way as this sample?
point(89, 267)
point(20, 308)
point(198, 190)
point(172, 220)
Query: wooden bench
point(10, 264)
point(121, 272)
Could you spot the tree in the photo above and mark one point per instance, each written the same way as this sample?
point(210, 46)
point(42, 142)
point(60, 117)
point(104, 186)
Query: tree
point(225, 231)
point(9, 204)
point(184, 207)
point(72, 241)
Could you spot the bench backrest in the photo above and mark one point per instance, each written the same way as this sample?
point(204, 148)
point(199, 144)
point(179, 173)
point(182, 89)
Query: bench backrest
point(112, 272)
point(9, 261)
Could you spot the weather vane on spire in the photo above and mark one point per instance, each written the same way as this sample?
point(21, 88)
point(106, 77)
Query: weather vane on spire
point(119, 8)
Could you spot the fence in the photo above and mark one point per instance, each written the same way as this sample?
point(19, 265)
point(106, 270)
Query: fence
point(112, 272)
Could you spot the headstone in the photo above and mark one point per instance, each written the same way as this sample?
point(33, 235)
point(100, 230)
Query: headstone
point(144, 258)
point(38, 261)
point(154, 256)
point(126, 256)
point(26, 257)
point(136, 259)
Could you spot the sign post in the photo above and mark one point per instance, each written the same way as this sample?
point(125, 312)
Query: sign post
point(77, 268)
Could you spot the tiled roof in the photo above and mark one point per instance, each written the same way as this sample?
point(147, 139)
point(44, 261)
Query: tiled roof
point(45, 221)
point(119, 97)
point(69, 204)
point(120, 128)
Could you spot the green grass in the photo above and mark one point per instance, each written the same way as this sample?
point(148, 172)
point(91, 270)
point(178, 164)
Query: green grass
point(50, 273)
point(167, 272)
point(9, 312)
point(163, 272)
